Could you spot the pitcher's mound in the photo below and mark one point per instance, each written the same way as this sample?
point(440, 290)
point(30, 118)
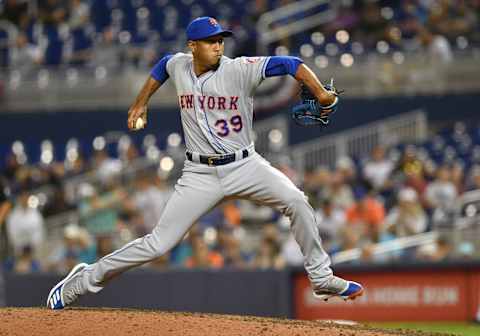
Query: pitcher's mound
point(124, 322)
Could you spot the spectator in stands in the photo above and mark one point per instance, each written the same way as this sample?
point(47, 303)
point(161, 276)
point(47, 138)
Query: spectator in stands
point(437, 47)
point(23, 263)
point(229, 247)
point(347, 18)
point(52, 12)
point(316, 181)
point(52, 15)
point(473, 183)
point(365, 217)
point(268, 255)
point(183, 251)
point(57, 204)
point(106, 52)
point(372, 26)
point(377, 171)
point(78, 24)
point(453, 18)
point(100, 212)
point(439, 251)
point(77, 246)
point(202, 256)
point(24, 56)
point(410, 171)
point(105, 245)
point(458, 177)
point(148, 200)
point(440, 196)
point(11, 167)
point(16, 12)
point(407, 217)
point(105, 166)
point(231, 214)
point(346, 167)
point(291, 253)
point(409, 162)
point(330, 221)
point(339, 192)
point(25, 225)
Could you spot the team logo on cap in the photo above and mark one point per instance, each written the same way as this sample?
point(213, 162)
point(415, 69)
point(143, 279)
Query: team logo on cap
point(213, 22)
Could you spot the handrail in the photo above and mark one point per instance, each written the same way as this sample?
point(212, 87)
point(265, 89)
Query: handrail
point(411, 126)
point(269, 35)
point(386, 247)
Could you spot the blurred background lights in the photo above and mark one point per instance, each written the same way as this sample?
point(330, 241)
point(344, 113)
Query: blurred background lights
point(99, 143)
point(331, 49)
point(321, 62)
point(174, 140)
point(398, 57)
point(166, 163)
point(342, 36)
point(210, 235)
point(387, 13)
point(357, 48)
point(149, 140)
point(346, 60)
point(382, 47)
point(153, 153)
point(33, 201)
point(46, 157)
point(306, 50)
point(281, 51)
point(275, 136)
point(462, 42)
point(317, 38)
point(18, 148)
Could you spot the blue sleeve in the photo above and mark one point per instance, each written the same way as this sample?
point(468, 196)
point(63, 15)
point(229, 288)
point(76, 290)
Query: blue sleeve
point(159, 71)
point(282, 65)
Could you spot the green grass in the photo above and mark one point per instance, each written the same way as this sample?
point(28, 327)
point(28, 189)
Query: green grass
point(456, 328)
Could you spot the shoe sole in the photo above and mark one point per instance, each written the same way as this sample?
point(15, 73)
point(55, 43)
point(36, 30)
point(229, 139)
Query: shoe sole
point(72, 272)
point(352, 296)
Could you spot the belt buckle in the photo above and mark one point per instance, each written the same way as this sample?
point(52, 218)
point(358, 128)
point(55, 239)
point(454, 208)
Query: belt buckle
point(210, 161)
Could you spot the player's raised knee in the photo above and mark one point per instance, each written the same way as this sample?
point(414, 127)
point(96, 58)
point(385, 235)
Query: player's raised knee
point(296, 200)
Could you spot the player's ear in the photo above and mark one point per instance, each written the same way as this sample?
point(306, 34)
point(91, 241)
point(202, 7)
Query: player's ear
point(191, 45)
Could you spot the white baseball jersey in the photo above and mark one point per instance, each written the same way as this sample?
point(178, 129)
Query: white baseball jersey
point(217, 113)
point(217, 107)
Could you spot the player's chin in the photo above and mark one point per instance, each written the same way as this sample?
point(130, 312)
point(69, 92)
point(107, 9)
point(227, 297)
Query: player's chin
point(215, 61)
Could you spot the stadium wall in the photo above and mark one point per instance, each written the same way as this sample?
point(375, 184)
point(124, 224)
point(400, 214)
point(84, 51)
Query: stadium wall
point(85, 125)
point(257, 293)
point(414, 292)
point(410, 292)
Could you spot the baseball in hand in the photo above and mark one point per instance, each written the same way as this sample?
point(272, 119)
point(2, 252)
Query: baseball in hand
point(139, 124)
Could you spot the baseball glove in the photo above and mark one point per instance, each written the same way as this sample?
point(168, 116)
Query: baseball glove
point(309, 112)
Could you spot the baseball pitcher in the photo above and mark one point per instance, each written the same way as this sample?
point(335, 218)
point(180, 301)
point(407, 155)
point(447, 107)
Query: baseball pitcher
point(215, 96)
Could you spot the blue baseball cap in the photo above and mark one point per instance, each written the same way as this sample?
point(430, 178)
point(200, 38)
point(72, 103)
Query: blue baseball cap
point(204, 27)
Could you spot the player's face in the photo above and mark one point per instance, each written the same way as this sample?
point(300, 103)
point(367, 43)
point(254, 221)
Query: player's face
point(208, 51)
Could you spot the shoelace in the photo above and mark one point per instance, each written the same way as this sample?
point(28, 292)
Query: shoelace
point(72, 288)
point(335, 286)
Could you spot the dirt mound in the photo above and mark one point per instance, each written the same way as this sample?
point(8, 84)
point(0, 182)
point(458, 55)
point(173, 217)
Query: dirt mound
point(124, 322)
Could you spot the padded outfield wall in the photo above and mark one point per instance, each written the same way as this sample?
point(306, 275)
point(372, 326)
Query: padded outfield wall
point(415, 292)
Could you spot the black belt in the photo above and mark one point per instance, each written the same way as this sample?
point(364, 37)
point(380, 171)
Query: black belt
point(217, 160)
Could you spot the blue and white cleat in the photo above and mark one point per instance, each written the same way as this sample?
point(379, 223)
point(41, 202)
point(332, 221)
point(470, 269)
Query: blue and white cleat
point(338, 287)
point(67, 290)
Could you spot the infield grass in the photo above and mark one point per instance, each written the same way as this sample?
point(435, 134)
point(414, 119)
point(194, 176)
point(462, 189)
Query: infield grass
point(455, 328)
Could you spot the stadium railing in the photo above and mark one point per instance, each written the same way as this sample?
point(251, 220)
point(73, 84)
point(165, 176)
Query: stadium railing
point(408, 127)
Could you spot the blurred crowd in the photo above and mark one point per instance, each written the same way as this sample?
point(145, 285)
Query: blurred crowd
point(115, 33)
point(65, 212)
